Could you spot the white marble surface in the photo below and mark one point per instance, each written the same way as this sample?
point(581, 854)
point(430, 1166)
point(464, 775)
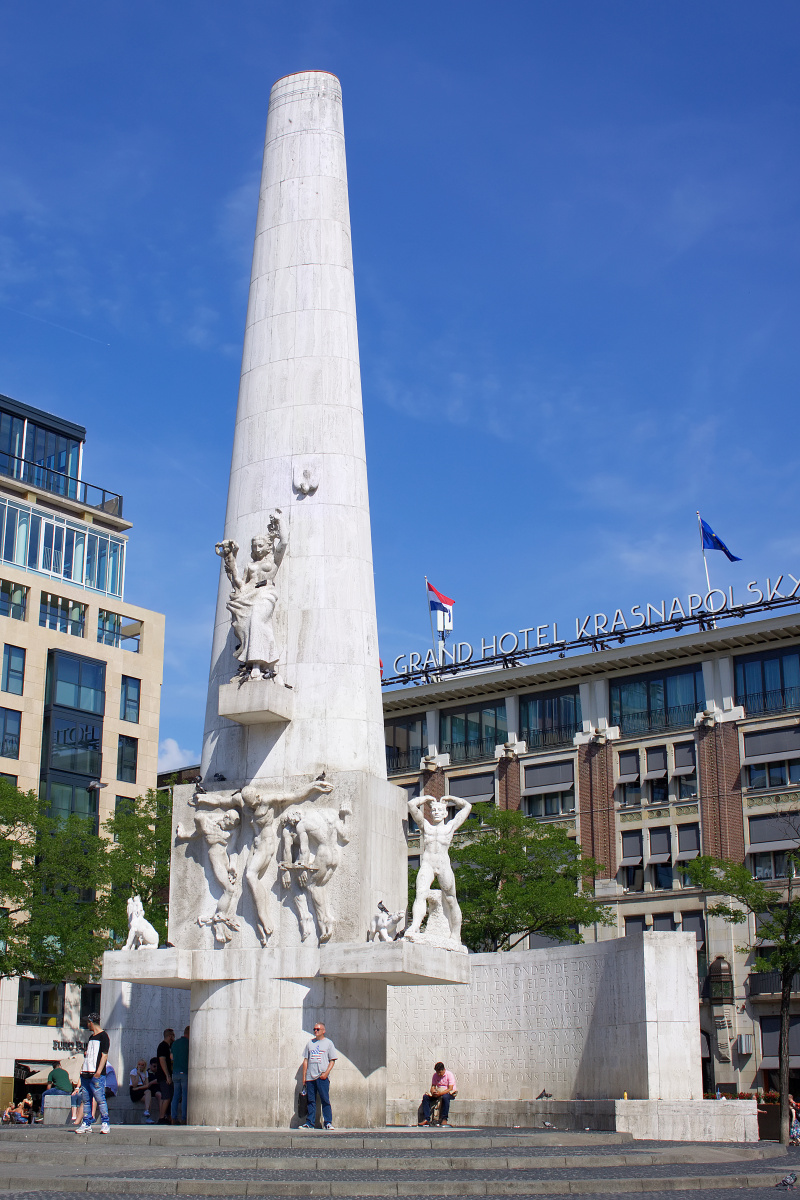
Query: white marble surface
point(589, 1021)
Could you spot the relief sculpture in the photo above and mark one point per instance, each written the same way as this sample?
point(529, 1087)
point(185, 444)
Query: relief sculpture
point(214, 821)
point(315, 834)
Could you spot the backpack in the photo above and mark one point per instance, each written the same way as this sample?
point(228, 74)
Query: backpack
point(112, 1086)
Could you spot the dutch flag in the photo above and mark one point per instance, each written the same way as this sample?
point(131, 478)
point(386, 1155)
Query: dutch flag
point(442, 606)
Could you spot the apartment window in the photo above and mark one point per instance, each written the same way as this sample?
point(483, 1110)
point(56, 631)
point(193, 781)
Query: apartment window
point(629, 781)
point(549, 789)
point(406, 741)
point(663, 923)
point(631, 860)
point(550, 718)
point(13, 600)
point(13, 669)
point(685, 771)
point(473, 732)
point(478, 789)
point(770, 1040)
point(768, 682)
point(694, 922)
point(412, 791)
point(75, 744)
point(648, 703)
point(127, 751)
point(772, 758)
point(129, 699)
point(9, 732)
point(660, 858)
point(635, 925)
point(115, 630)
point(40, 1003)
point(74, 682)
point(656, 775)
point(63, 616)
point(688, 842)
point(67, 797)
point(770, 839)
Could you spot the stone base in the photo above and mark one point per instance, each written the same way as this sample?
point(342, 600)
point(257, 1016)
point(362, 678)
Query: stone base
point(256, 702)
point(660, 1120)
point(398, 963)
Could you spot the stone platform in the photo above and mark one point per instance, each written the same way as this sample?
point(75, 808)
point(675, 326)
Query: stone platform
point(441, 1162)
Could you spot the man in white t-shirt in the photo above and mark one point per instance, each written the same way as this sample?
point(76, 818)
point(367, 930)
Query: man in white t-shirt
point(318, 1058)
point(139, 1088)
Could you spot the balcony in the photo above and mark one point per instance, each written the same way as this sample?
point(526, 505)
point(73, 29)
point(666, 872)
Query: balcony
point(49, 480)
point(768, 983)
point(633, 724)
point(780, 700)
point(542, 739)
point(402, 760)
point(470, 751)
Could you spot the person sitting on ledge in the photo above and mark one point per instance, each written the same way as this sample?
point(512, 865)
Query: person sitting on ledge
point(444, 1089)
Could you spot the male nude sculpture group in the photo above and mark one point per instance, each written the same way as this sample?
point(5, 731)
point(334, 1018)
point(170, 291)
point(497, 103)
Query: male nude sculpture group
point(307, 840)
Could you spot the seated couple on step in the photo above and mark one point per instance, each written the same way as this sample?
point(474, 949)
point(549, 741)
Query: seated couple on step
point(443, 1089)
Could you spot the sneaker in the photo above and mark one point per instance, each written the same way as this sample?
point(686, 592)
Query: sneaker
point(328, 1125)
point(306, 1126)
point(148, 1120)
point(105, 1127)
point(84, 1128)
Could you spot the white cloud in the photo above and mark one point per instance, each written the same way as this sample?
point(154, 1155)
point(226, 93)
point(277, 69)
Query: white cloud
point(172, 758)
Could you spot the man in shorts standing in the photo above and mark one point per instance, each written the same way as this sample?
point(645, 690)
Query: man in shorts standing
point(93, 1075)
point(318, 1058)
point(164, 1075)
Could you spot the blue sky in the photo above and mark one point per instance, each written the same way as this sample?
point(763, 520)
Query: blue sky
point(575, 229)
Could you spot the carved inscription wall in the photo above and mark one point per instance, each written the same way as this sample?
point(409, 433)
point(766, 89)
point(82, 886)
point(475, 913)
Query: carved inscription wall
point(533, 1020)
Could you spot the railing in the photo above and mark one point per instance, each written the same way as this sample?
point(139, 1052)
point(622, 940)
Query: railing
point(470, 751)
point(768, 983)
point(780, 700)
point(402, 760)
point(666, 718)
point(537, 739)
point(61, 485)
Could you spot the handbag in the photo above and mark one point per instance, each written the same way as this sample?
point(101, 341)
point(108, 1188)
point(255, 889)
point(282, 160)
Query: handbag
point(302, 1104)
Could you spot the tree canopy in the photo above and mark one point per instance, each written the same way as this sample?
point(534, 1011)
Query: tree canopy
point(516, 877)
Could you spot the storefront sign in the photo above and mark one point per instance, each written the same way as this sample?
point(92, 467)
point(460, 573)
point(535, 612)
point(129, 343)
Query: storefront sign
point(600, 625)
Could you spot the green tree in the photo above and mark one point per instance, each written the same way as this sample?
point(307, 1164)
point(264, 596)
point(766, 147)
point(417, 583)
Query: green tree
point(517, 877)
point(50, 872)
point(139, 842)
point(777, 934)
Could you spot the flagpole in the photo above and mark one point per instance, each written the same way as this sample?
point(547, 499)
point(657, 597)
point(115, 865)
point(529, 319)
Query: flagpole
point(430, 614)
point(705, 561)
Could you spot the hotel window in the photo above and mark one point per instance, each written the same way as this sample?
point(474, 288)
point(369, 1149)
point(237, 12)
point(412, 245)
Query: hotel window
point(694, 922)
point(75, 683)
point(13, 669)
point(631, 861)
point(660, 858)
point(62, 616)
point(549, 789)
point(770, 839)
point(629, 781)
point(550, 718)
point(13, 600)
point(663, 923)
point(12, 779)
point(412, 791)
point(768, 682)
point(66, 797)
point(9, 732)
point(473, 732)
point(656, 775)
point(635, 925)
point(648, 703)
point(478, 789)
point(129, 699)
point(125, 633)
point(685, 770)
point(75, 744)
point(688, 842)
point(772, 758)
point(406, 742)
point(127, 752)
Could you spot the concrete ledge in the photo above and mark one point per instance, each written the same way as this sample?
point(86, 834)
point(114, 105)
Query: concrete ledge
point(255, 702)
point(162, 968)
point(399, 963)
point(657, 1120)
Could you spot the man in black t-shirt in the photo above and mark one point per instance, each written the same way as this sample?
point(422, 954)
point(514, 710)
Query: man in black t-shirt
point(164, 1075)
point(93, 1076)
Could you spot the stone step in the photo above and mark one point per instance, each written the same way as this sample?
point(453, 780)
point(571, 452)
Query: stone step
point(192, 1136)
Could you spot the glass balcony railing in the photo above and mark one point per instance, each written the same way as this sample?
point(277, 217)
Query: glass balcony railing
point(470, 751)
point(60, 485)
point(631, 724)
point(780, 700)
point(539, 739)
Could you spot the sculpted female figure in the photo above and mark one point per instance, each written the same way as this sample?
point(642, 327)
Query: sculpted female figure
point(253, 598)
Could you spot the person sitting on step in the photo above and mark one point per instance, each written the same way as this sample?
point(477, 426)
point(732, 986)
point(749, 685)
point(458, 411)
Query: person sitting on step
point(443, 1089)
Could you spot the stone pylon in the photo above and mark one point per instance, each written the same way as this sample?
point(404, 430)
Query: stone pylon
point(281, 858)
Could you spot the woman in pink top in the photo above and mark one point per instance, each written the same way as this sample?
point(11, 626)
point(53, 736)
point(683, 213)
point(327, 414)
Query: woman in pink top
point(443, 1088)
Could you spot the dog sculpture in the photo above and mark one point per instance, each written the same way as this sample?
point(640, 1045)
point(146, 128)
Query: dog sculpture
point(141, 934)
point(383, 926)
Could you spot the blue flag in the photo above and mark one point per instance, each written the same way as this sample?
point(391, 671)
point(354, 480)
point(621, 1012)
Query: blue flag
point(712, 542)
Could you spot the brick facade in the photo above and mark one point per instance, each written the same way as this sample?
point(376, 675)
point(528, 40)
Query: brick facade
point(596, 791)
point(720, 787)
point(508, 783)
point(433, 783)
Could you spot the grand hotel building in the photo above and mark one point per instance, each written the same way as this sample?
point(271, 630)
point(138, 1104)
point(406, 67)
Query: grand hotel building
point(650, 754)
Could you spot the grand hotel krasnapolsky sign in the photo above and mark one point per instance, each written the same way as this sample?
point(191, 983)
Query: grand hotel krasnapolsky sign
point(596, 626)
